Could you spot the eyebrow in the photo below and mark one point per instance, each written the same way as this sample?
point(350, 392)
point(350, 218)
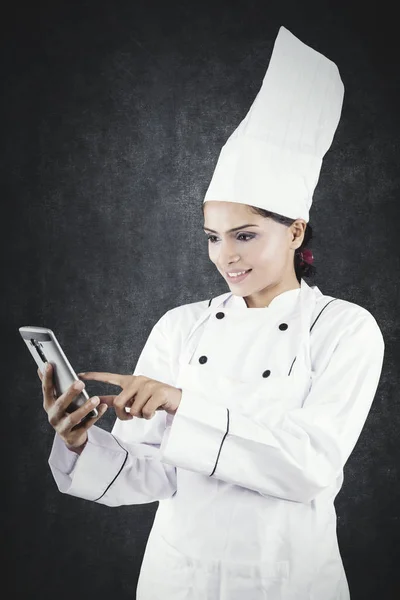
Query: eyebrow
point(234, 229)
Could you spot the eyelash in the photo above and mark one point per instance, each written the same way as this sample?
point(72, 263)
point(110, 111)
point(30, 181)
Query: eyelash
point(245, 234)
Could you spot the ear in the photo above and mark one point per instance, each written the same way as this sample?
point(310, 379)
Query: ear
point(298, 228)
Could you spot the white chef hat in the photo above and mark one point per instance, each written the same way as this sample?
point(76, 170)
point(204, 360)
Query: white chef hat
point(274, 157)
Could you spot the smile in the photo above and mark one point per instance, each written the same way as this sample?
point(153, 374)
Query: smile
point(236, 278)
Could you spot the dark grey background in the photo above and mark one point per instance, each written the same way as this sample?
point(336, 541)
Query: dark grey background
point(113, 115)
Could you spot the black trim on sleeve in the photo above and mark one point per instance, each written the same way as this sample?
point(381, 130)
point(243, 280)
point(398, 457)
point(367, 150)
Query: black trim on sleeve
point(223, 439)
point(123, 464)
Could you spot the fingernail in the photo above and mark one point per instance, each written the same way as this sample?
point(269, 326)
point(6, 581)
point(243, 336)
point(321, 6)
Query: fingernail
point(79, 385)
point(95, 400)
point(47, 366)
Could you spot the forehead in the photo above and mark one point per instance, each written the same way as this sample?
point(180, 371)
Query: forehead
point(217, 209)
point(227, 217)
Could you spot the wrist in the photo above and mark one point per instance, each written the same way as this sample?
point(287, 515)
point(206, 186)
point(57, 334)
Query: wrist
point(77, 449)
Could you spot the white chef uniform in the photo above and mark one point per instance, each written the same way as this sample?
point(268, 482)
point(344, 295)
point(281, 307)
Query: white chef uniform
point(246, 472)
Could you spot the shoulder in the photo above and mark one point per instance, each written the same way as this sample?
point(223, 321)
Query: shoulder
point(343, 312)
point(174, 326)
point(338, 321)
point(188, 312)
point(179, 320)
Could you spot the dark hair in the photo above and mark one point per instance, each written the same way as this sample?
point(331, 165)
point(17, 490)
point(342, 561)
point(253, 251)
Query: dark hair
point(301, 270)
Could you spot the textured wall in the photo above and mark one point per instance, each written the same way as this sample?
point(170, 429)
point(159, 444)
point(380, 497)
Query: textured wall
point(113, 115)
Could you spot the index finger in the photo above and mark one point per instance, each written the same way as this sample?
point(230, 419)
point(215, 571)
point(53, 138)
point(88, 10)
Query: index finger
point(114, 378)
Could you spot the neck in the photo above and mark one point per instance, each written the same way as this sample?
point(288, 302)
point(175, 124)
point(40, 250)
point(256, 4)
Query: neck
point(263, 298)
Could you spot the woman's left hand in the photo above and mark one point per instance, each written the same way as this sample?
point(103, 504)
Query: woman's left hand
point(142, 395)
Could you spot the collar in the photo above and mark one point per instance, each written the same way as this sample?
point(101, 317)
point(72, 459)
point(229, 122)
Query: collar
point(283, 300)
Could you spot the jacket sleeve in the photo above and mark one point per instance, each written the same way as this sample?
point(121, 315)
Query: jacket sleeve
point(298, 452)
point(123, 467)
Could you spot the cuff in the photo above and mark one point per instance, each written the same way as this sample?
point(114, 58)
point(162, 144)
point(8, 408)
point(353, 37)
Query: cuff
point(94, 469)
point(195, 436)
point(61, 458)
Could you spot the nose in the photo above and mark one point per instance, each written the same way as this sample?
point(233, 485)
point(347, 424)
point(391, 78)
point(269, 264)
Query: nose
point(228, 252)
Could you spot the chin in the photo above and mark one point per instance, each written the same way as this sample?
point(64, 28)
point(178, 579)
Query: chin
point(241, 290)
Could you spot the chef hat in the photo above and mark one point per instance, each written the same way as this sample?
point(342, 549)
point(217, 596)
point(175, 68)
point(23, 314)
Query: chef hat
point(274, 157)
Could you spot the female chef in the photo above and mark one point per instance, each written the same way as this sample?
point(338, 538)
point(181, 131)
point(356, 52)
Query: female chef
point(243, 409)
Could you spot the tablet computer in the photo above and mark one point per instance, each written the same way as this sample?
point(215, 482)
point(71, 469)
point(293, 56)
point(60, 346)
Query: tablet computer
point(44, 347)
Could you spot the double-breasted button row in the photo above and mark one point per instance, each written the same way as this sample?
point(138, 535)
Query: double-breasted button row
point(282, 326)
point(203, 359)
point(220, 315)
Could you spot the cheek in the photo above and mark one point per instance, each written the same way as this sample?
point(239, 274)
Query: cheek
point(212, 254)
point(262, 253)
point(269, 254)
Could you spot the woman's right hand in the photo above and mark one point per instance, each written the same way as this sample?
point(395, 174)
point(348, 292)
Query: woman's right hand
point(67, 425)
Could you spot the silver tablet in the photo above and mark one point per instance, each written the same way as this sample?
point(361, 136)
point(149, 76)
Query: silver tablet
point(44, 347)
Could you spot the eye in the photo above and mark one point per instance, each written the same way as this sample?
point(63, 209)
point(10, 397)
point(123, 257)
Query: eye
point(212, 238)
point(247, 236)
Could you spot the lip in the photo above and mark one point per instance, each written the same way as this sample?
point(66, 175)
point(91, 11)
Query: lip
point(239, 278)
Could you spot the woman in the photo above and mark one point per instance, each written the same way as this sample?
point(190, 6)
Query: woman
point(242, 410)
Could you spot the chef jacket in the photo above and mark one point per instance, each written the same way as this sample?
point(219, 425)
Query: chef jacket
point(246, 472)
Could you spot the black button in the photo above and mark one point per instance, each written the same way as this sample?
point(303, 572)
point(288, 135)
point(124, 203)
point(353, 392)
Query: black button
point(202, 359)
point(283, 326)
point(267, 373)
point(220, 315)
